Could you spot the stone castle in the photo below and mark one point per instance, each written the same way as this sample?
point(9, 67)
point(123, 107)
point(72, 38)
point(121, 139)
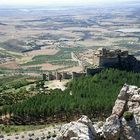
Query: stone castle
point(102, 58)
point(116, 59)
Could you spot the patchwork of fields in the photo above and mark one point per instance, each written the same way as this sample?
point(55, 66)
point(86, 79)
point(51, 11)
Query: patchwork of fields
point(38, 42)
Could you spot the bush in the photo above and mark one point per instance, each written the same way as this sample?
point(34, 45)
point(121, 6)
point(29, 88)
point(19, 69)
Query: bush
point(128, 116)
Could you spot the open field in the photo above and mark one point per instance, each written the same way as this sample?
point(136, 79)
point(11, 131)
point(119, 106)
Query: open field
point(10, 65)
point(45, 66)
point(43, 52)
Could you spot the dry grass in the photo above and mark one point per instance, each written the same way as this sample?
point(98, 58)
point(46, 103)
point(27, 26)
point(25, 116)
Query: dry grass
point(72, 69)
point(10, 65)
point(43, 52)
point(45, 66)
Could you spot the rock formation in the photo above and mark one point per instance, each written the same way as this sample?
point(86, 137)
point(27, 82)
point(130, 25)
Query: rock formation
point(79, 130)
point(123, 124)
point(122, 127)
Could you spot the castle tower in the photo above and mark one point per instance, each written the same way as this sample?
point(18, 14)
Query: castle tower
point(58, 76)
point(44, 77)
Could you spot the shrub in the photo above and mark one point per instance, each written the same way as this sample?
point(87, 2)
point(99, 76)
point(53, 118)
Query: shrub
point(128, 116)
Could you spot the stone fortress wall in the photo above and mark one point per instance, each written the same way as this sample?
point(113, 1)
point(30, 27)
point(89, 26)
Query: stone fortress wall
point(56, 76)
point(73, 75)
point(62, 76)
point(102, 58)
point(116, 59)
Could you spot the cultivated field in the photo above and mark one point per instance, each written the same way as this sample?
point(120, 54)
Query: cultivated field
point(42, 40)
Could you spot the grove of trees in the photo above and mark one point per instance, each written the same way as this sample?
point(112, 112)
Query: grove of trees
point(92, 96)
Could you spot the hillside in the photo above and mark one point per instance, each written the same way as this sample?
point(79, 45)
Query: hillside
point(92, 96)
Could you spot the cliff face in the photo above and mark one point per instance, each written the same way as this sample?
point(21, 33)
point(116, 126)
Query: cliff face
point(123, 124)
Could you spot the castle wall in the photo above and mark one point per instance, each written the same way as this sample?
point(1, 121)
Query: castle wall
point(102, 61)
point(96, 60)
point(91, 72)
point(58, 76)
point(51, 77)
point(66, 75)
point(77, 75)
point(44, 77)
point(130, 63)
point(108, 61)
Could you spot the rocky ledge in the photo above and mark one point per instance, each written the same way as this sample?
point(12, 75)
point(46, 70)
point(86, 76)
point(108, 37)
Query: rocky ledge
point(123, 124)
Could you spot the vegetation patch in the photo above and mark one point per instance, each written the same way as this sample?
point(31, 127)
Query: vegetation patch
point(13, 89)
point(63, 55)
point(92, 96)
point(9, 129)
point(128, 116)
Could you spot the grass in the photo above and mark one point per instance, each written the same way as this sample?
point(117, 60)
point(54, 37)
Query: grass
point(9, 129)
point(66, 63)
point(8, 83)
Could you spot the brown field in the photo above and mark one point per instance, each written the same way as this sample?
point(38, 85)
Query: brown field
point(43, 52)
point(45, 66)
point(72, 69)
point(10, 65)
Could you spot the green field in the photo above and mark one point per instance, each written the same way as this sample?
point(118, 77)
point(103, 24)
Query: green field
point(62, 57)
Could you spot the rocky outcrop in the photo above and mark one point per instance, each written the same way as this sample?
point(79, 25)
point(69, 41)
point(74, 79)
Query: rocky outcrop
point(111, 128)
point(123, 124)
point(78, 130)
point(119, 126)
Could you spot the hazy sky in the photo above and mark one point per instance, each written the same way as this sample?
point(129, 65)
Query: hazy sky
point(56, 2)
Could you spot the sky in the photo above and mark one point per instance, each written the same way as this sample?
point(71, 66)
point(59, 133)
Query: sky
point(58, 2)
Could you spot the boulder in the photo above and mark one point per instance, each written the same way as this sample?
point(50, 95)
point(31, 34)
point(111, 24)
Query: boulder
point(112, 127)
point(130, 131)
point(123, 93)
point(121, 101)
point(119, 107)
point(85, 120)
point(135, 98)
point(78, 130)
point(99, 129)
point(131, 106)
